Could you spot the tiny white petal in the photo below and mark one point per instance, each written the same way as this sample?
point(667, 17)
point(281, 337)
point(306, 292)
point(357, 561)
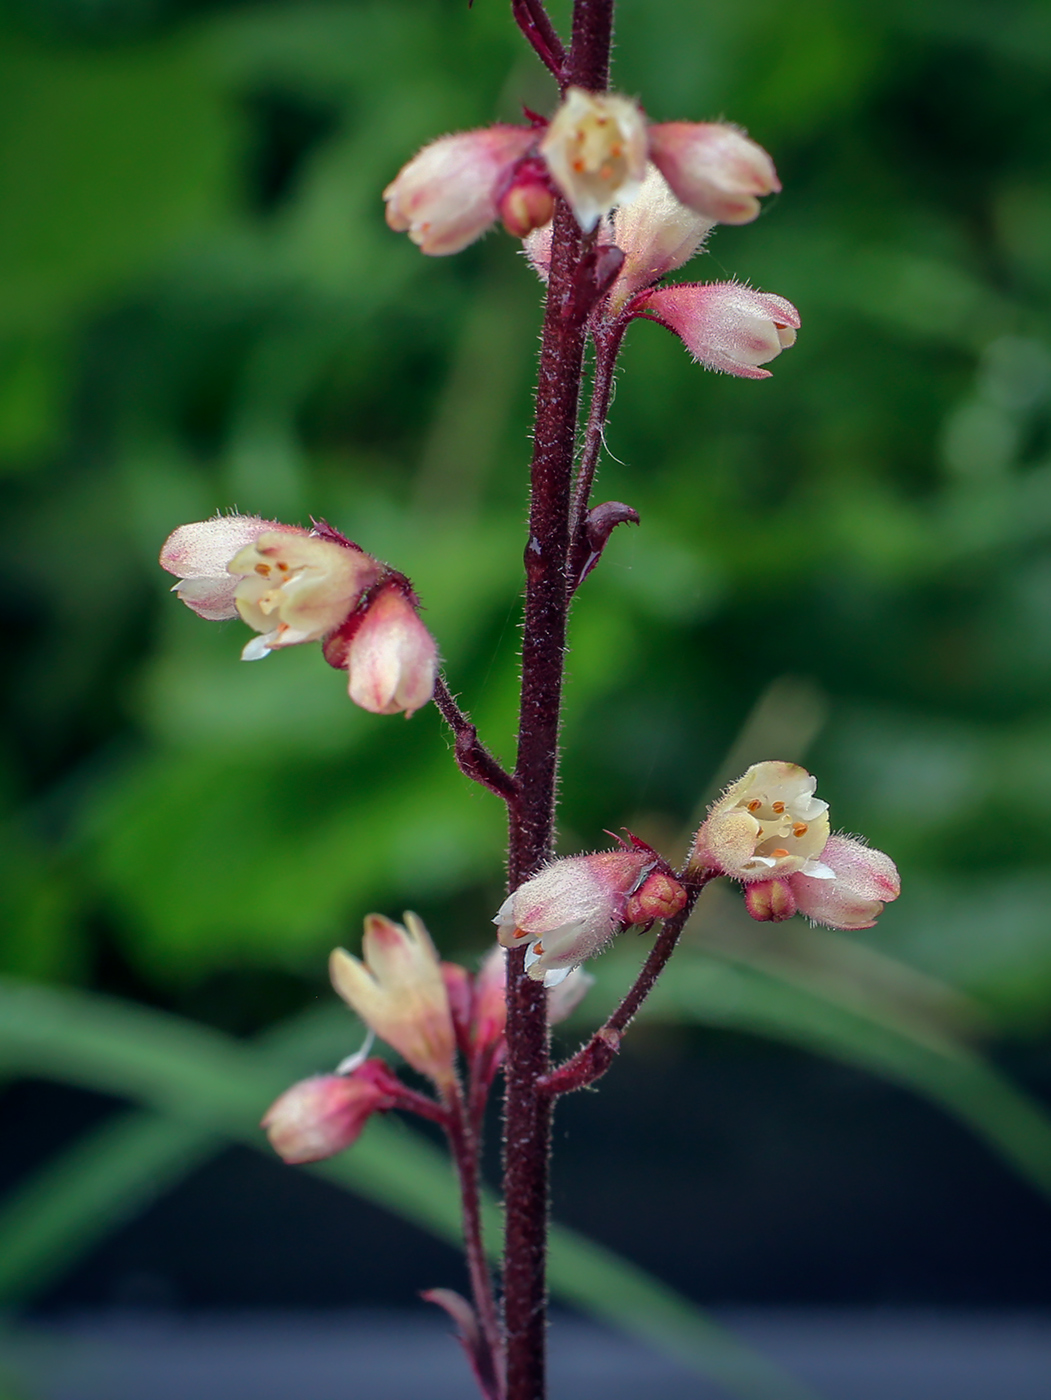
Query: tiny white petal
point(817, 870)
point(503, 914)
point(557, 975)
point(255, 650)
point(355, 1061)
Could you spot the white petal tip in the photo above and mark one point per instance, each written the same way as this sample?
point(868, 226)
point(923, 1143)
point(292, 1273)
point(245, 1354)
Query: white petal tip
point(255, 650)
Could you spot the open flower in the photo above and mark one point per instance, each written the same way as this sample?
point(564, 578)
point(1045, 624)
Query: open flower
point(724, 325)
point(656, 234)
point(449, 194)
point(399, 992)
point(713, 168)
point(595, 149)
point(767, 824)
point(572, 908)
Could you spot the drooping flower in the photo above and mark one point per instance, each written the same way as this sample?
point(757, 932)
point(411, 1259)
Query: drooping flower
point(766, 825)
point(391, 659)
point(865, 880)
point(449, 194)
point(595, 149)
point(321, 1116)
point(399, 992)
point(572, 908)
point(724, 325)
point(713, 168)
point(294, 585)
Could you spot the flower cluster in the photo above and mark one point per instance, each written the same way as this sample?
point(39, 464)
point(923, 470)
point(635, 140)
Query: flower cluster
point(294, 585)
point(575, 906)
point(431, 1012)
point(593, 152)
point(771, 833)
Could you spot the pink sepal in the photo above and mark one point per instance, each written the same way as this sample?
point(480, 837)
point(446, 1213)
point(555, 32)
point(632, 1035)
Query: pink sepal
point(724, 325)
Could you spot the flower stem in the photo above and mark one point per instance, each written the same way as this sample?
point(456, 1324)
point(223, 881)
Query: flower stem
point(607, 346)
point(527, 1114)
point(465, 1141)
point(593, 1059)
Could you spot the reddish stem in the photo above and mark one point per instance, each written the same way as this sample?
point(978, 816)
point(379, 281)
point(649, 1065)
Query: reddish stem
point(473, 757)
point(534, 22)
point(593, 1059)
point(527, 1114)
point(607, 346)
point(464, 1133)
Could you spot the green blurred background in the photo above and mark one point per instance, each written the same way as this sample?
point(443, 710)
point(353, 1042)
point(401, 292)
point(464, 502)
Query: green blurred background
point(201, 307)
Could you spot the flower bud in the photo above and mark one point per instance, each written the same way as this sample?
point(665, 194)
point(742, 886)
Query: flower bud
point(724, 325)
point(771, 900)
point(321, 1116)
point(528, 202)
point(399, 992)
point(766, 825)
point(713, 168)
point(447, 195)
point(656, 234)
point(392, 660)
point(289, 584)
point(660, 896)
point(595, 149)
point(574, 907)
point(863, 881)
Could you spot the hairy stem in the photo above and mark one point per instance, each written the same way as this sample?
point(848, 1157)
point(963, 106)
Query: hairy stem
point(527, 1114)
point(533, 20)
point(593, 1059)
point(465, 1141)
point(607, 346)
point(474, 759)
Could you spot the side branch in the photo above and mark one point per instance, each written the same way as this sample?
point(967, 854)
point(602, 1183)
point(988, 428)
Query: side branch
point(607, 346)
point(534, 22)
point(474, 759)
point(593, 1059)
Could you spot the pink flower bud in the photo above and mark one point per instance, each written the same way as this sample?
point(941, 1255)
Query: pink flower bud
point(595, 149)
point(391, 660)
point(460, 991)
point(289, 584)
point(574, 907)
point(766, 825)
point(660, 896)
point(864, 880)
point(656, 234)
point(447, 195)
point(713, 168)
point(724, 325)
point(528, 202)
point(490, 1000)
point(771, 900)
point(321, 1116)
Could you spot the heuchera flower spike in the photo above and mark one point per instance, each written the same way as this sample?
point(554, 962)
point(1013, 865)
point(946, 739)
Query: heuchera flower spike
point(572, 908)
point(713, 168)
point(725, 326)
point(399, 992)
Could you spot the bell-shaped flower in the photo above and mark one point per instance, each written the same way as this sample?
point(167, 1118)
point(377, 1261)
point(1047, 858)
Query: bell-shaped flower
point(656, 234)
point(449, 194)
point(390, 658)
point(321, 1116)
point(573, 907)
point(291, 585)
point(767, 825)
point(713, 168)
point(595, 149)
point(399, 992)
point(724, 325)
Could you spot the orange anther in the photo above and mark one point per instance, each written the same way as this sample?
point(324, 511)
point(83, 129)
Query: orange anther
point(779, 807)
point(799, 828)
point(263, 569)
point(779, 852)
point(754, 805)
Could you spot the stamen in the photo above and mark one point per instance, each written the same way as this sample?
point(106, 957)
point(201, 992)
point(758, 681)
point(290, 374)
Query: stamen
point(263, 569)
point(778, 807)
point(754, 805)
point(799, 828)
point(779, 852)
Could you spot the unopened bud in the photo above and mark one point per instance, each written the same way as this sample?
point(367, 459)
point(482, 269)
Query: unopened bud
point(399, 992)
point(713, 168)
point(770, 901)
point(392, 659)
point(528, 202)
point(725, 326)
point(863, 881)
point(660, 896)
point(321, 1116)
